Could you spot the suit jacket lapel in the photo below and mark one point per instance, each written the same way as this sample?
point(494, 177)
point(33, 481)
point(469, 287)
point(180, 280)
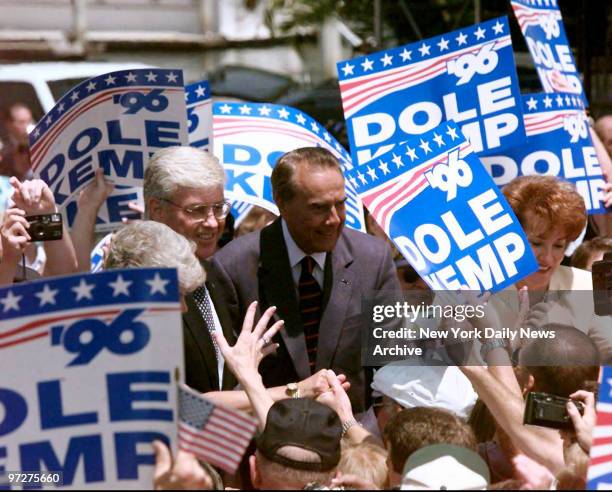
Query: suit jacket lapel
point(276, 287)
point(338, 287)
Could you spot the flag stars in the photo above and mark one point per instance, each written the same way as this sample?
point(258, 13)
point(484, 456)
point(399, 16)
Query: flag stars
point(327, 137)
point(479, 33)
point(172, 77)
point(110, 80)
point(11, 301)
point(567, 100)
point(452, 133)
point(461, 39)
point(410, 152)
point(559, 101)
point(353, 181)
point(397, 160)
point(157, 284)
point(367, 65)
point(547, 102)
point(425, 146)
point(384, 166)
point(498, 27)
point(348, 69)
point(74, 96)
point(91, 86)
point(300, 118)
point(283, 113)
point(386, 60)
point(314, 127)
point(49, 120)
point(36, 132)
point(424, 49)
point(372, 173)
point(60, 108)
point(47, 295)
point(264, 111)
point(152, 77)
point(120, 286)
point(244, 109)
point(200, 91)
point(532, 104)
point(130, 78)
point(226, 109)
point(406, 55)
point(443, 44)
point(362, 178)
point(438, 139)
point(83, 290)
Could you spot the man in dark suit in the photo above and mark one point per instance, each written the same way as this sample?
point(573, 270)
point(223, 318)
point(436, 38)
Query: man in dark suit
point(183, 188)
point(313, 270)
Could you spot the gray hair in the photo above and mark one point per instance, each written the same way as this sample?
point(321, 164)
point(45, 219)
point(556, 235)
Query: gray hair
point(153, 244)
point(187, 167)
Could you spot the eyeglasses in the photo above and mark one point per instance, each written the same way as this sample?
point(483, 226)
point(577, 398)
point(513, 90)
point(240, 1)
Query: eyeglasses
point(203, 210)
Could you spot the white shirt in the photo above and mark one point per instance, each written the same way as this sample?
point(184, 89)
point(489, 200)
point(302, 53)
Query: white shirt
point(296, 255)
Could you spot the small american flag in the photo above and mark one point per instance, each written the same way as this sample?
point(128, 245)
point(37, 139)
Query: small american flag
point(600, 468)
point(215, 434)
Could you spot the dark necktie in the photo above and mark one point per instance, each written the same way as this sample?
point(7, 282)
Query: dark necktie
point(311, 298)
point(202, 300)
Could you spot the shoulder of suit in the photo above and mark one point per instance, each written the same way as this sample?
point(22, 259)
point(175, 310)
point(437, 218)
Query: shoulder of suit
point(238, 247)
point(359, 242)
point(570, 278)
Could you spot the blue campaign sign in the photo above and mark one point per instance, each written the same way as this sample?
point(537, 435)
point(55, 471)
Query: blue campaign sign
point(240, 210)
point(558, 144)
point(88, 381)
point(599, 476)
point(542, 26)
point(114, 121)
point(467, 76)
point(250, 138)
point(441, 209)
point(199, 115)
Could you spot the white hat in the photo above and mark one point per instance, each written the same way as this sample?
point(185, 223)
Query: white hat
point(445, 467)
point(426, 386)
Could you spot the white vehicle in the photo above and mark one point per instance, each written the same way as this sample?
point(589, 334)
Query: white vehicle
point(41, 85)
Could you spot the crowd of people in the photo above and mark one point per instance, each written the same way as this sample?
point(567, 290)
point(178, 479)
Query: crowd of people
point(272, 324)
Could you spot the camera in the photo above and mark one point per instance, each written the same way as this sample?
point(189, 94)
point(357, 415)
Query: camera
point(47, 227)
point(548, 410)
point(602, 285)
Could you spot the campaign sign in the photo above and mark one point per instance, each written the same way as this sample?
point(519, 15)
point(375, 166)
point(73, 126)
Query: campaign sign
point(88, 380)
point(558, 144)
point(114, 121)
point(240, 210)
point(199, 115)
point(444, 213)
point(250, 138)
point(467, 76)
point(544, 33)
point(599, 476)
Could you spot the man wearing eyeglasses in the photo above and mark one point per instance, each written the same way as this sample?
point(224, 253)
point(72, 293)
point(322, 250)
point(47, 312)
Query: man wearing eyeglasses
point(183, 188)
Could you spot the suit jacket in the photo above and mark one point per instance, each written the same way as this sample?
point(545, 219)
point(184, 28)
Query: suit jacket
point(256, 267)
point(200, 361)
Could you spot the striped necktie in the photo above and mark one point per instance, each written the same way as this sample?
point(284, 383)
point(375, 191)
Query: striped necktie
point(202, 300)
point(311, 298)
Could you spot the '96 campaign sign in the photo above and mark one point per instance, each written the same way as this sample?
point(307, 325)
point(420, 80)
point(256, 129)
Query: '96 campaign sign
point(558, 144)
point(441, 209)
point(199, 114)
point(467, 76)
point(114, 121)
point(542, 26)
point(88, 375)
point(251, 137)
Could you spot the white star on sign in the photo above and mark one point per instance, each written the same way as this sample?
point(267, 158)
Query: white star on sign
point(348, 69)
point(443, 44)
point(406, 55)
point(353, 181)
point(11, 301)
point(461, 39)
point(424, 49)
point(60, 108)
point(438, 139)
point(567, 100)
point(83, 290)
point(74, 96)
point(226, 109)
point(314, 127)
point(384, 167)
point(151, 77)
point(49, 120)
point(283, 113)
point(171, 77)
point(559, 100)
point(532, 104)
point(386, 60)
point(498, 27)
point(130, 78)
point(372, 173)
point(157, 284)
point(244, 109)
point(300, 118)
point(264, 111)
point(362, 178)
point(120, 286)
point(47, 295)
point(425, 146)
point(397, 160)
point(367, 64)
point(411, 153)
point(91, 86)
point(327, 137)
point(479, 33)
point(452, 133)
point(547, 102)
point(200, 91)
point(110, 80)
point(37, 132)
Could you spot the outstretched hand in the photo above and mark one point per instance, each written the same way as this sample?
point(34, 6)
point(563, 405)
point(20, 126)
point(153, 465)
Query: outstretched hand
point(184, 473)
